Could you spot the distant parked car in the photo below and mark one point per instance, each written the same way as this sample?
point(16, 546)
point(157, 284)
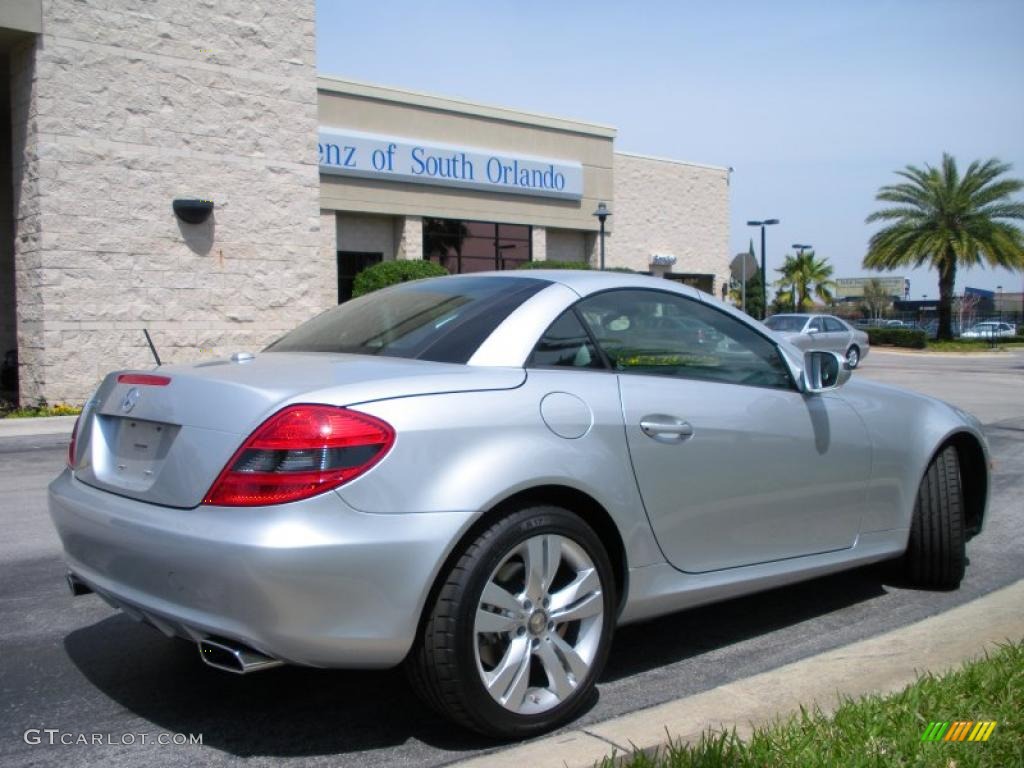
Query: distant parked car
point(822, 332)
point(990, 330)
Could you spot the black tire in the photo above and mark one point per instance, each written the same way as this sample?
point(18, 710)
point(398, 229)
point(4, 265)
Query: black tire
point(853, 356)
point(936, 555)
point(443, 665)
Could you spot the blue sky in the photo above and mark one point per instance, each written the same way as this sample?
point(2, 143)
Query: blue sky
point(814, 104)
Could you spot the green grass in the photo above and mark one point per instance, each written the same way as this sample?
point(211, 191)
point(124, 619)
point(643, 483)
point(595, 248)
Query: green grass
point(877, 730)
point(973, 345)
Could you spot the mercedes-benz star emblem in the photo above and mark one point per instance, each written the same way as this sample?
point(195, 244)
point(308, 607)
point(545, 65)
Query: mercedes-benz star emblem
point(130, 399)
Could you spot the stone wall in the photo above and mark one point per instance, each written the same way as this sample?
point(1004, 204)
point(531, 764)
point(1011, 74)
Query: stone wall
point(567, 245)
point(8, 325)
point(368, 233)
point(120, 107)
point(664, 206)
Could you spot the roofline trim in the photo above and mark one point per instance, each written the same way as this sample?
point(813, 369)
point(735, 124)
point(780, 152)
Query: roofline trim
point(332, 84)
point(721, 168)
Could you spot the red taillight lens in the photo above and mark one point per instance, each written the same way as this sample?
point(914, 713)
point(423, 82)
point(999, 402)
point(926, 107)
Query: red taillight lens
point(300, 451)
point(71, 445)
point(147, 379)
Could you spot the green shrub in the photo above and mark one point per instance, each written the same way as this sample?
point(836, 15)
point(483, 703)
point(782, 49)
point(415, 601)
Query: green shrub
point(898, 337)
point(8, 411)
point(391, 272)
point(554, 265)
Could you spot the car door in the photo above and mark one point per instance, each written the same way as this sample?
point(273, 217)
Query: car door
point(815, 332)
point(734, 465)
point(837, 334)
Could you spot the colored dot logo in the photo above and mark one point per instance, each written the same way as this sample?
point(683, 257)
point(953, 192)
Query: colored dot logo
point(959, 730)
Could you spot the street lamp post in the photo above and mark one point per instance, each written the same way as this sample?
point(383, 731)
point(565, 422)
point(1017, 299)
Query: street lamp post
point(799, 248)
point(764, 285)
point(602, 214)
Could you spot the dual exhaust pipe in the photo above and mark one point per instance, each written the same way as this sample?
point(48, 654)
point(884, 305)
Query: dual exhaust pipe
point(221, 654)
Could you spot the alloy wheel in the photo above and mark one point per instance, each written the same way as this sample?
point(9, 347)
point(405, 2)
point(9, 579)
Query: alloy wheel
point(538, 624)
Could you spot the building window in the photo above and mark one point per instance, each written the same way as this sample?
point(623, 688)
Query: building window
point(704, 283)
point(475, 246)
point(350, 264)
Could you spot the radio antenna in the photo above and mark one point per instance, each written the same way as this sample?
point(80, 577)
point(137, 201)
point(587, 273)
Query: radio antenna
point(152, 348)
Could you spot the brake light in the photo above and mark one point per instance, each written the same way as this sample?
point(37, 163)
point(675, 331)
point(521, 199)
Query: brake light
point(300, 451)
point(147, 379)
point(71, 445)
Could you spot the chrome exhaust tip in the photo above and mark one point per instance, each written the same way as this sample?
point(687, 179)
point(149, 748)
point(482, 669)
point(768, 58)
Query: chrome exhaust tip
point(237, 659)
point(75, 586)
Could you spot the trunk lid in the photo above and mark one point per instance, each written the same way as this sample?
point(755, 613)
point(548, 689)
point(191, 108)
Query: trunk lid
point(167, 444)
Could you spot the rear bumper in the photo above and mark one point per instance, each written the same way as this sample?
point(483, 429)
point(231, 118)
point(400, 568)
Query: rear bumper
point(314, 583)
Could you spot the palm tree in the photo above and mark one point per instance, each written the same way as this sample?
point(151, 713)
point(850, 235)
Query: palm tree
point(949, 221)
point(804, 275)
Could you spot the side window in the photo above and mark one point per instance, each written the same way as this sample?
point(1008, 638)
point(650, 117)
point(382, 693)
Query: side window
point(817, 324)
point(565, 345)
point(661, 333)
point(834, 326)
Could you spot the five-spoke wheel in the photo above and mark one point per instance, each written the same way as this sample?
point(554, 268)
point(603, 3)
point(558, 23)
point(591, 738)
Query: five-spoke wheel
point(520, 629)
point(539, 624)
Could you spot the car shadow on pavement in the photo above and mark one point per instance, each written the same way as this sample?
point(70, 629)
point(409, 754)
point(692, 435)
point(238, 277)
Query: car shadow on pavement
point(283, 712)
point(679, 636)
point(295, 712)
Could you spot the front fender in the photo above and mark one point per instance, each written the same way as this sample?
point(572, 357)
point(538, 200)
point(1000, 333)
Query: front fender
point(906, 430)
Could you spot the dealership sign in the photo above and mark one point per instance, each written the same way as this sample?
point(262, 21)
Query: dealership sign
point(373, 156)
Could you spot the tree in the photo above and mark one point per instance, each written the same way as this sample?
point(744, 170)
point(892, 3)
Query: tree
point(876, 299)
point(803, 275)
point(949, 221)
point(442, 239)
point(754, 304)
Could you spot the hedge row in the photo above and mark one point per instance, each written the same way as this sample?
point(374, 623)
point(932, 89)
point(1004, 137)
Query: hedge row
point(898, 337)
point(390, 272)
point(554, 265)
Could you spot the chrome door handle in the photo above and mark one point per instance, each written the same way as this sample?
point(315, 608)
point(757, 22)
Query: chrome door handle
point(666, 428)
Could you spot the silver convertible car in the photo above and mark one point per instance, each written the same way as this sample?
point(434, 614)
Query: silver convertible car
point(481, 476)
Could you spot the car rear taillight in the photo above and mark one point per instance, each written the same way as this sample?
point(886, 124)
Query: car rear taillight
point(300, 451)
point(71, 445)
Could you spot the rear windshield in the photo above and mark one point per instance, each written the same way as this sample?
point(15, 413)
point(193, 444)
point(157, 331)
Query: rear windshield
point(443, 319)
point(786, 322)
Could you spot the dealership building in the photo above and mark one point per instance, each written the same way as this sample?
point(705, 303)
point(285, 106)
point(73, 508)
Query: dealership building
point(287, 183)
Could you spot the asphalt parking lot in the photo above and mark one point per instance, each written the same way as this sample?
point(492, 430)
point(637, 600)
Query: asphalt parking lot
point(83, 668)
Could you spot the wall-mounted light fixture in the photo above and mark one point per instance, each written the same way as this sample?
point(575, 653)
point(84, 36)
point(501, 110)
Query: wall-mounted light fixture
point(193, 211)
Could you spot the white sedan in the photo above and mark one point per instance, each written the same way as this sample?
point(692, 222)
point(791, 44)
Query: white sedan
point(990, 330)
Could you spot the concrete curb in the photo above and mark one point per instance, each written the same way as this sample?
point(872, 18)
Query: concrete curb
point(925, 353)
point(46, 425)
point(881, 664)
